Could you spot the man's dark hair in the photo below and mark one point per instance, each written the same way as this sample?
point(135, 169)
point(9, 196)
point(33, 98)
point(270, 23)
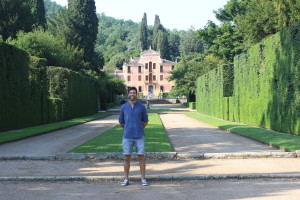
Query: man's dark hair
point(132, 88)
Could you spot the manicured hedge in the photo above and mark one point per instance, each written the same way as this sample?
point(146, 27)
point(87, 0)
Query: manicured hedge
point(23, 89)
point(14, 87)
point(33, 94)
point(192, 105)
point(77, 92)
point(55, 110)
point(38, 86)
point(265, 85)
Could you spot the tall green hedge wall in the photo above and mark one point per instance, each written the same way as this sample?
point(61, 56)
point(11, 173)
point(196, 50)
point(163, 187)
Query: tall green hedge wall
point(14, 87)
point(38, 91)
point(265, 85)
point(23, 91)
point(33, 94)
point(212, 93)
point(77, 92)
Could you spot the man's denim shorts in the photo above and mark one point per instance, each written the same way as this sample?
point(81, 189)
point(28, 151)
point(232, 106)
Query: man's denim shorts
point(128, 144)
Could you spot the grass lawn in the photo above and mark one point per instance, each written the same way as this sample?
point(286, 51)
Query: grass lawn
point(36, 130)
point(280, 140)
point(155, 110)
point(111, 140)
point(164, 110)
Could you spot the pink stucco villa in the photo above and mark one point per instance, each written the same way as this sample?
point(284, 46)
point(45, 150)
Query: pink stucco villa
point(148, 73)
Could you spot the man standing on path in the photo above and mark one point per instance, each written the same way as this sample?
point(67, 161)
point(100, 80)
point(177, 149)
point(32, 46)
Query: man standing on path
point(133, 118)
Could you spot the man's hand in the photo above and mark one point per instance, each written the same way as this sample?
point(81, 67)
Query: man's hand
point(145, 124)
point(122, 125)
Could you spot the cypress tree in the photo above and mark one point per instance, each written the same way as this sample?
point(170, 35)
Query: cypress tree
point(79, 25)
point(163, 45)
point(160, 39)
point(38, 13)
point(144, 33)
point(156, 28)
point(15, 15)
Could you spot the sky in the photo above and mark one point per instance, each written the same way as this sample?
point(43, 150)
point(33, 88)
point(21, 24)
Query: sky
point(173, 14)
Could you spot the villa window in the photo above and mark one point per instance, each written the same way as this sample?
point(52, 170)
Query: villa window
point(161, 68)
point(140, 77)
point(154, 78)
point(173, 67)
point(161, 88)
point(140, 88)
point(146, 77)
point(128, 78)
point(128, 69)
point(140, 69)
point(150, 66)
point(161, 77)
point(146, 66)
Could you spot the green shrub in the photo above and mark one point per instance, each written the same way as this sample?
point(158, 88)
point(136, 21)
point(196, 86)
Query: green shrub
point(108, 106)
point(140, 95)
point(165, 95)
point(54, 49)
point(192, 105)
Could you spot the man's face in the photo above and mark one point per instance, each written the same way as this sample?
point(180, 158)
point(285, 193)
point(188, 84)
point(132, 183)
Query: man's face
point(132, 95)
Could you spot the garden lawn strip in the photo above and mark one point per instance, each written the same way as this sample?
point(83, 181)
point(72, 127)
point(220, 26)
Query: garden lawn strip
point(155, 110)
point(156, 139)
point(13, 135)
point(285, 141)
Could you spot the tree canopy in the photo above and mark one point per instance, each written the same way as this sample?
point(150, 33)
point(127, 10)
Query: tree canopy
point(79, 26)
point(190, 67)
point(20, 15)
point(53, 48)
point(246, 22)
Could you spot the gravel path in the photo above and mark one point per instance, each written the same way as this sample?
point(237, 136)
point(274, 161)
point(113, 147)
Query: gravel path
point(223, 167)
point(59, 141)
point(189, 135)
point(206, 190)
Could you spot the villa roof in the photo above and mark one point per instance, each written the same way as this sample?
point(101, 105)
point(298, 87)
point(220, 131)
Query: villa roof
point(149, 52)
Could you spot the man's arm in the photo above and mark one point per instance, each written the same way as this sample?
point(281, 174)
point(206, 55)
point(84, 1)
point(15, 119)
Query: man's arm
point(121, 117)
point(144, 117)
point(145, 124)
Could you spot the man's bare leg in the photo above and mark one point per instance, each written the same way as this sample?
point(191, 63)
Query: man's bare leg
point(142, 162)
point(127, 165)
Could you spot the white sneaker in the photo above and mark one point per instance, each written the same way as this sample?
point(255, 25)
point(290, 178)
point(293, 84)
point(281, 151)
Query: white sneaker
point(144, 182)
point(125, 182)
